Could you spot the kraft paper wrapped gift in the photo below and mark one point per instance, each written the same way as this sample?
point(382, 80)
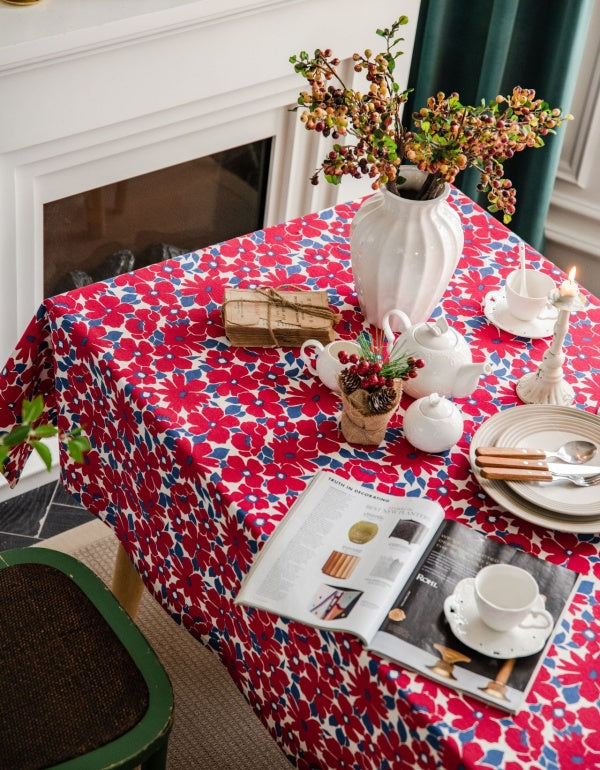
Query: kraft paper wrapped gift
point(269, 317)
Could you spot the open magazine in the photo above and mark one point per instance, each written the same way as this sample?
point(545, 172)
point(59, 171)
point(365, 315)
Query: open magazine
point(378, 566)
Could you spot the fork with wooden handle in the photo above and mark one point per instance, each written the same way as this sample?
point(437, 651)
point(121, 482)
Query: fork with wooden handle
point(518, 469)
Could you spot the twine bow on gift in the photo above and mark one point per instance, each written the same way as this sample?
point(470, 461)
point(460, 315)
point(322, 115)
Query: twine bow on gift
point(274, 299)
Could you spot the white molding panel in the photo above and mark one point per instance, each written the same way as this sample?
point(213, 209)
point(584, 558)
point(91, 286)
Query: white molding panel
point(573, 222)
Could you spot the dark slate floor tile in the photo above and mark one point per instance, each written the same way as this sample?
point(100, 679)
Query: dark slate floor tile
point(63, 517)
point(62, 497)
point(22, 515)
point(16, 541)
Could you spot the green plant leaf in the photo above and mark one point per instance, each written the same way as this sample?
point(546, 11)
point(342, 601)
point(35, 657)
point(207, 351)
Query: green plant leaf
point(77, 447)
point(17, 435)
point(3, 455)
point(32, 409)
point(44, 452)
point(45, 431)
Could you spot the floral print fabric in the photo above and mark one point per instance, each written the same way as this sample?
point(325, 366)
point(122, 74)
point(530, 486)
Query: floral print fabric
point(200, 448)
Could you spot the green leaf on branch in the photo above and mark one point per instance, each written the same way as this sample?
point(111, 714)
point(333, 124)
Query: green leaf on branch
point(17, 435)
point(77, 447)
point(44, 452)
point(333, 178)
point(45, 431)
point(32, 409)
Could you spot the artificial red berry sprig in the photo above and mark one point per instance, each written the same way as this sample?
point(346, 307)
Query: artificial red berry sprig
point(372, 369)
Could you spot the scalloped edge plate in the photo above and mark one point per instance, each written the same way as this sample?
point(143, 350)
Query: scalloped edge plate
point(487, 435)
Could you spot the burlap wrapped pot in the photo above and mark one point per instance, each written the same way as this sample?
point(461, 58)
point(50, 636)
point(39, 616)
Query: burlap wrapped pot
point(360, 425)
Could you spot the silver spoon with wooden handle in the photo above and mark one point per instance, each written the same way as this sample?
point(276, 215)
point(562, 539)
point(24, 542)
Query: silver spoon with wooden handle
point(573, 452)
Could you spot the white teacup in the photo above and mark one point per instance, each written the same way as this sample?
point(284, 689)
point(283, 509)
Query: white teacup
point(505, 596)
point(535, 303)
point(327, 365)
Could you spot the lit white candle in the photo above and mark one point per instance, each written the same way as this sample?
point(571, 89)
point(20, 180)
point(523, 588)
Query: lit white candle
point(569, 288)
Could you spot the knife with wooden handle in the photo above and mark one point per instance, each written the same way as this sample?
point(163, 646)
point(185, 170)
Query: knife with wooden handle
point(516, 474)
point(509, 451)
point(485, 461)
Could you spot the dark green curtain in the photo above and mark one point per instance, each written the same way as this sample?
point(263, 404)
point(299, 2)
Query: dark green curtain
point(481, 48)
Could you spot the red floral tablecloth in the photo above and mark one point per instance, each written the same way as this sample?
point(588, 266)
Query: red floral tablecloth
point(200, 448)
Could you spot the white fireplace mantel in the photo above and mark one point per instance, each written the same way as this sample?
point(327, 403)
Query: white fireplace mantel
point(96, 91)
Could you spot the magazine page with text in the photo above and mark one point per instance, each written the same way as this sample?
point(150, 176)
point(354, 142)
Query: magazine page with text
point(341, 555)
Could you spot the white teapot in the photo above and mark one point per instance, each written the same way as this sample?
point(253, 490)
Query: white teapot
point(449, 369)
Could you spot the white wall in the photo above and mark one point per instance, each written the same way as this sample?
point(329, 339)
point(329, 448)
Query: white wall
point(573, 223)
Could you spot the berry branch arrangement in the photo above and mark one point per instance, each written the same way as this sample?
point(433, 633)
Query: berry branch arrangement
point(449, 137)
point(373, 372)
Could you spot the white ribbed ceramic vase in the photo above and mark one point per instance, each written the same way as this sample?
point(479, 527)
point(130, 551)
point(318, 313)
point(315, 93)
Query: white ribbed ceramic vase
point(404, 252)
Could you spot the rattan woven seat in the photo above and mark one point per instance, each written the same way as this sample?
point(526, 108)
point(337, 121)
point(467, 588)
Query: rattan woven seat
point(81, 687)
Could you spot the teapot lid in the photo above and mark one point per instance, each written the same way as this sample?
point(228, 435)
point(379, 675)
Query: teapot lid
point(435, 407)
point(436, 336)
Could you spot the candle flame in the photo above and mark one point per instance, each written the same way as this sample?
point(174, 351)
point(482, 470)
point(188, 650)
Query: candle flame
point(572, 274)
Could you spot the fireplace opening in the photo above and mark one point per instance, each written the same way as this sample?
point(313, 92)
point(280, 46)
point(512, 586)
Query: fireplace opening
point(110, 230)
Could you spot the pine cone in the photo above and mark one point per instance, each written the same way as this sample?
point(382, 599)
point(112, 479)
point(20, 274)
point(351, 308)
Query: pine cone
point(382, 400)
point(349, 382)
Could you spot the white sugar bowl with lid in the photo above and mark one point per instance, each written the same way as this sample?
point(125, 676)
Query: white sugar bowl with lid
point(433, 424)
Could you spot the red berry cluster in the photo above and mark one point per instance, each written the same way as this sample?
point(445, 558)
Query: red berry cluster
point(369, 372)
point(375, 374)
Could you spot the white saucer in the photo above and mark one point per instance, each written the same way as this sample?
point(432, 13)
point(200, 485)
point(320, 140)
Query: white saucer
point(461, 613)
point(495, 309)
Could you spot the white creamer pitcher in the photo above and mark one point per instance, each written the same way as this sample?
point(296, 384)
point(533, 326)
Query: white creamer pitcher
point(327, 365)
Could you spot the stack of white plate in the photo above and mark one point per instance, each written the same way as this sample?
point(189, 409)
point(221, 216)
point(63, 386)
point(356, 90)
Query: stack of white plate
point(559, 504)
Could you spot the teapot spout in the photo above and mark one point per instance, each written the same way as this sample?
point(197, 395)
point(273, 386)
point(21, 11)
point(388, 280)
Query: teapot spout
point(467, 377)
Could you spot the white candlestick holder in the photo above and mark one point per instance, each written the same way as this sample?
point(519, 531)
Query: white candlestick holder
point(547, 385)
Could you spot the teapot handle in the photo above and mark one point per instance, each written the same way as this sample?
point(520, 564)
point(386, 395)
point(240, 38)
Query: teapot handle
point(387, 329)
